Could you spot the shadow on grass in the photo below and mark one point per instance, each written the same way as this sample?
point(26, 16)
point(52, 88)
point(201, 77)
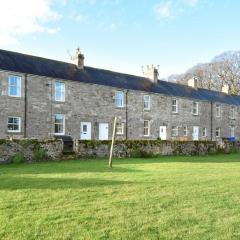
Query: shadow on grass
point(220, 158)
point(73, 166)
point(17, 183)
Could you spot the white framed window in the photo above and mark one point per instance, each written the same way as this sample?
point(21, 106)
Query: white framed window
point(120, 128)
point(146, 128)
point(204, 132)
point(218, 132)
point(218, 110)
point(185, 131)
point(174, 106)
point(119, 99)
point(174, 131)
point(195, 108)
point(232, 131)
point(14, 124)
point(146, 102)
point(59, 124)
point(232, 113)
point(59, 89)
point(14, 86)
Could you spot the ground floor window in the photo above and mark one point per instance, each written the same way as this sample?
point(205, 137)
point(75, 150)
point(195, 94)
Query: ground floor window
point(174, 131)
point(146, 128)
point(218, 132)
point(14, 124)
point(232, 132)
point(185, 131)
point(59, 124)
point(204, 132)
point(119, 128)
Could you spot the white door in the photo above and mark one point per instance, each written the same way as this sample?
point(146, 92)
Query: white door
point(195, 134)
point(103, 131)
point(85, 131)
point(163, 132)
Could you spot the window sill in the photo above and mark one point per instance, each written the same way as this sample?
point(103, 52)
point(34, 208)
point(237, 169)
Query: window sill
point(59, 134)
point(58, 101)
point(14, 132)
point(14, 96)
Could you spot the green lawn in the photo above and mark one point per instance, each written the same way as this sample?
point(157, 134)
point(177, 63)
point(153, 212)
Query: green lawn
point(157, 198)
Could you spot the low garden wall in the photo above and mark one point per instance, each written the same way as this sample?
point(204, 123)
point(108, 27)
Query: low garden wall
point(30, 150)
point(151, 148)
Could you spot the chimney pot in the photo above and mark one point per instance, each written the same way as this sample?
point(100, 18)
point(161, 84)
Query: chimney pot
point(78, 59)
point(193, 82)
point(226, 89)
point(151, 72)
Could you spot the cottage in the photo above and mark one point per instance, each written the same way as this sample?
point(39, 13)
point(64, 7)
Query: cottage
point(41, 98)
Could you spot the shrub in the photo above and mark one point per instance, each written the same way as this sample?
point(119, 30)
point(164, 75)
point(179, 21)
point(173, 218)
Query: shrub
point(18, 158)
point(40, 155)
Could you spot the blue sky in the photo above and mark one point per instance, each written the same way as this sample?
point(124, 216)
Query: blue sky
point(123, 35)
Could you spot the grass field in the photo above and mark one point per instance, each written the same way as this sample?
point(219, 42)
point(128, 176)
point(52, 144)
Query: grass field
point(157, 198)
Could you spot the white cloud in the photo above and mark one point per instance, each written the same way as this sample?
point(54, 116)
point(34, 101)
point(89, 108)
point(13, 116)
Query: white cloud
point(19, 18)
point(164, 10)
point(53, 31)
point(167, 9)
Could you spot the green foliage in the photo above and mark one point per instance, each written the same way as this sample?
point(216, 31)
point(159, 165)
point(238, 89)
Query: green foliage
point(39, 155)
point(18, 158)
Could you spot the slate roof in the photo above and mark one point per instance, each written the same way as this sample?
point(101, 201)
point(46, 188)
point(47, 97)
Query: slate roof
point(17, 62)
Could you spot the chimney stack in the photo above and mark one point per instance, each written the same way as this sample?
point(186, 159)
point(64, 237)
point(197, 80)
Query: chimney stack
point(78, 59)
point(193, 82)
point(151, 72)
point(226, 89)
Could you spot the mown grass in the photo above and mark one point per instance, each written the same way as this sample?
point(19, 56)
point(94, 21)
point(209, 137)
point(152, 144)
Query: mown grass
point(157, 198)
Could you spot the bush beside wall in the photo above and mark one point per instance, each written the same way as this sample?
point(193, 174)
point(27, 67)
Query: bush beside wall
point(29, 150)
point(144, 148)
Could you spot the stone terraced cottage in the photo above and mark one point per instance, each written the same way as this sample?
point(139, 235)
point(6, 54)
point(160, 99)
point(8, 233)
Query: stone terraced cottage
point(41, 98)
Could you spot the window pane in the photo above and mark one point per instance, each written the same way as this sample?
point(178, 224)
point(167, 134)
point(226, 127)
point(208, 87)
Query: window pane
point(119, 99)
point(59, 91)
point(146, 102)
point(59, 124)
point(14, 86)
point(13, 124)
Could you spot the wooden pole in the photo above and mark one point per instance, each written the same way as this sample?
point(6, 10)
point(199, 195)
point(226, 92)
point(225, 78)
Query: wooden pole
point(113, 138)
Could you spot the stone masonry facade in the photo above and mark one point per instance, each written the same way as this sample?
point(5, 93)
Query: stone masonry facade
point(95, 104)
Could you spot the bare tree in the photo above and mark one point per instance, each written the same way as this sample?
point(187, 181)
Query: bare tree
point(223, 69)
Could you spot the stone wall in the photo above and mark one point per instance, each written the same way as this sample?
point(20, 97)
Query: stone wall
point(30, 149)
point(148, 148)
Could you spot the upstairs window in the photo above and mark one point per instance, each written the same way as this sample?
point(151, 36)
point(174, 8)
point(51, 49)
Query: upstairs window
point(204, 132)
point(119, 99)
point(119, 128)
point(232, 113)
point(14, 124)
point(185, 131)
point(59, 92)
point(195, 108)
point(59, 124)
point(218, 132)
point(174, 106)
point(146, 128)
point(14, 86)
point(174, 131)
point(218, 110)
point(146, 102)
